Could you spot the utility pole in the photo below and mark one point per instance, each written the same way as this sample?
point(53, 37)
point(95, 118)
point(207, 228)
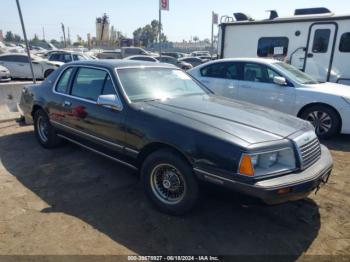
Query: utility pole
point(26, 40)
point(64, 35)
point(69, 37)
point(160, 32)
point(43, 33)
point(212, 34)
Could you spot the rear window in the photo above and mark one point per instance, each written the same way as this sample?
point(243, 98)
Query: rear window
point(62, 85)
point(344, 45)
point(272, 46)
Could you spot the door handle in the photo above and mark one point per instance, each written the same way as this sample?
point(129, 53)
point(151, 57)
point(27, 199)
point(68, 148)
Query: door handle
point(67, 104)
point(310, 55)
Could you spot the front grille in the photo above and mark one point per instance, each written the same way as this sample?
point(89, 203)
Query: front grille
point(310, 153)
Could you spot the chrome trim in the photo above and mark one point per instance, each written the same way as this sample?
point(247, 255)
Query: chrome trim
point(79, 98)
point(98, 152)
point(131, 150)
point(88, 135)
point(212, 175)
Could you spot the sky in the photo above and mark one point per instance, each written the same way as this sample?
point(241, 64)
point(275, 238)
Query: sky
point(186, 18)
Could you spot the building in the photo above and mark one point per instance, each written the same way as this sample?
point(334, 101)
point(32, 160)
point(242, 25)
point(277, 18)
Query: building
point(102, 29)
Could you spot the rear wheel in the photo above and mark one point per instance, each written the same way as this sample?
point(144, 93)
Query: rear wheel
point(44, 131)
point(325, 120)
point(169, 182)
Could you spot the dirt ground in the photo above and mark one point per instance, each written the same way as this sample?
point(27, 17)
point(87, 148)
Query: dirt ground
point(71, 201)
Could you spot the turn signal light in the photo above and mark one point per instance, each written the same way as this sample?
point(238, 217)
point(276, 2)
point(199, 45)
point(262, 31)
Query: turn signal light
point(246, 166)
point(282, 191)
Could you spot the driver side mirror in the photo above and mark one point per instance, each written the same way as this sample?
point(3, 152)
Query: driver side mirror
point(279, 80)
point(111, 101)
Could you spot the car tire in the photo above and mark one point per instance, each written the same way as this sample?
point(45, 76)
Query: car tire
point(45, 133)
point(169, 182)
point(48, 72)
point(324, 118)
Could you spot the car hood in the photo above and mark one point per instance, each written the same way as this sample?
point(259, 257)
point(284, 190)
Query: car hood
point(330, 88)
point(248, 122)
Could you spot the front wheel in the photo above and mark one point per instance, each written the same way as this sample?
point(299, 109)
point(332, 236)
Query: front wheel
point(325, 120)
point(169, 182)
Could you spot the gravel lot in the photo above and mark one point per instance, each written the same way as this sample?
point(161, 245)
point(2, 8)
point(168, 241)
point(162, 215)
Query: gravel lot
point(71, 201)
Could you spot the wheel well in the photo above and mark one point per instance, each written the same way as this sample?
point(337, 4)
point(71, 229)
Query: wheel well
point(35, 108)
point(321, 104)
point(153, 147)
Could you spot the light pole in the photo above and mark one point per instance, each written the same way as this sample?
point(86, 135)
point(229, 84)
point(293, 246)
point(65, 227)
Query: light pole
point(26, 40)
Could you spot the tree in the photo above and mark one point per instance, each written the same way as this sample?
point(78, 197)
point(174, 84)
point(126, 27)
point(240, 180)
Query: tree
point(195, 39)
point(137, 36)
point(17, 38)
point(9, 36)
point(148, 35)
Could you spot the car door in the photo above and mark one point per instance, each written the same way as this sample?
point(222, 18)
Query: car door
point(100, 125)
point(257, 87)
point(223, 78)
point(320, 50)
point(9, 61)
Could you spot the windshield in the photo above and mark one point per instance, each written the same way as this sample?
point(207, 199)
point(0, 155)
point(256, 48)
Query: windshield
point(295, 74)
point(145, 84)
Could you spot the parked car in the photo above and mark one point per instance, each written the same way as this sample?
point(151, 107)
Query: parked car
point(18, 65)
point(176, 55)
point(132, 51)
point(171, 60)
point(66, 56)
point(110, 55)
point(142, 58)
point(155, 118)
point(5, 75)
point(194, 61)
point(280, 86)
point(200, 53)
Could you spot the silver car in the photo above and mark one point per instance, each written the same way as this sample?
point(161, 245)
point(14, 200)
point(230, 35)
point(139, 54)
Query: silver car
point(4, 74)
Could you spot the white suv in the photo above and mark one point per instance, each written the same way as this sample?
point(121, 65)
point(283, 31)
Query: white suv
point(280, 86)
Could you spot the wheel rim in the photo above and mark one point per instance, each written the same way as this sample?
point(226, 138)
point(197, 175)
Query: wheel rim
point(168, 184)
point(321, 121)
point(43, 128)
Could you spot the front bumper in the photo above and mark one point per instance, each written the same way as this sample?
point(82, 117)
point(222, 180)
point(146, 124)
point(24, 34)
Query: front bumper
point(295, 186)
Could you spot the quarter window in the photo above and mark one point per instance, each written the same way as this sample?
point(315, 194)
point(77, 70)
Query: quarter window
point(62, 85)
point(344, 45)
point(89, 83)
point(321, 41)
point(221, 70)
point(272, 46)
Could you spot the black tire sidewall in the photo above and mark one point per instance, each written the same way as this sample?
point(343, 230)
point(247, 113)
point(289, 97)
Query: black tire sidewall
point(331, 112)
point(192, 191)
point(52, 138)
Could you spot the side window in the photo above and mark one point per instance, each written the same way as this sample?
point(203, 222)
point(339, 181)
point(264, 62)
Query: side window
point(67, 58)
point(54, 57)
point(344, 45)
point(62, 84)
point(272, 46)
point(108, 88)
point(271, 74)
point(221, 70)
point(88, 83)
point(321, 40)
point(255, 73)
point(23, 59)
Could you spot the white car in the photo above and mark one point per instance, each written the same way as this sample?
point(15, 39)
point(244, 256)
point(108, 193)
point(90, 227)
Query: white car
point(4, 74)
point(18, 65)
point(280, 86)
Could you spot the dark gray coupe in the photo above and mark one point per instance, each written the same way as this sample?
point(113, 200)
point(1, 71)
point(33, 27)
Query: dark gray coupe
point(156, 119)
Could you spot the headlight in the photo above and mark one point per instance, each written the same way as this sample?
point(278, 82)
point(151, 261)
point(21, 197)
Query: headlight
point(266, 163)
point(347, 99)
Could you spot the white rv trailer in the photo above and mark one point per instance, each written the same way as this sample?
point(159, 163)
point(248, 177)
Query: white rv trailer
point(314, 40)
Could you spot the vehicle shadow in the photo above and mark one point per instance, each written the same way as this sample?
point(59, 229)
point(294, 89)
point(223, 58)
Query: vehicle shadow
point(339, 143)
point(109, 198)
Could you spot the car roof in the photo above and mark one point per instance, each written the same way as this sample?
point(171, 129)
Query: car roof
point(14, 54)
point(246, 59)
point(120, 63)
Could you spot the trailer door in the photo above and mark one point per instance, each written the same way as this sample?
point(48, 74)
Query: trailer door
point(320, 50)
